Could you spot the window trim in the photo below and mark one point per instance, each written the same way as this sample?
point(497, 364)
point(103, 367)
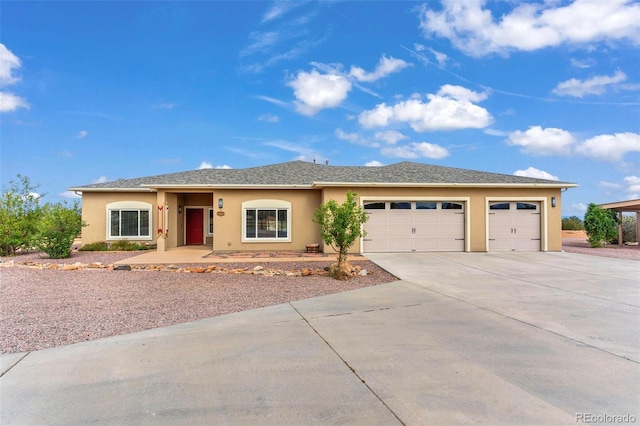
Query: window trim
point(266, 204)
point(130, 206)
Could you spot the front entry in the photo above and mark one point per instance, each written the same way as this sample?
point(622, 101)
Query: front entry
point(195, 226)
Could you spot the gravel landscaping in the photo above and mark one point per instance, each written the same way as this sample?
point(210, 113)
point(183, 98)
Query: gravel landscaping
point(43, 308)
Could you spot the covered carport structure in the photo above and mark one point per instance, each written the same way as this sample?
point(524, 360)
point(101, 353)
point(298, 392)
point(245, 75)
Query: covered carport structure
point(629, 206)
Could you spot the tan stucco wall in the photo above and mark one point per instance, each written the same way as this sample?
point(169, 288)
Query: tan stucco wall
point(94, 212)
point(228, 227)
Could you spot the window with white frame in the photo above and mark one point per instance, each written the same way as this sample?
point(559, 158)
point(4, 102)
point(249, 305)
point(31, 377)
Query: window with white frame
point(129, 220)
point(210, 223)
point(266, 221)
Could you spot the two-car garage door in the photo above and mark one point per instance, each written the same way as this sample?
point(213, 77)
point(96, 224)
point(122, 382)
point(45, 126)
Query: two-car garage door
point(422, 226)
point(405, 226)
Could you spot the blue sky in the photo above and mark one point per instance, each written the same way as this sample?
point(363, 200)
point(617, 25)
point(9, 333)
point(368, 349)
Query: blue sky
point(97, 91)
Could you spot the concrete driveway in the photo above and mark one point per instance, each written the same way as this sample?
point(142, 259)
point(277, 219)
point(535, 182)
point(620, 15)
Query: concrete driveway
point(463, 338)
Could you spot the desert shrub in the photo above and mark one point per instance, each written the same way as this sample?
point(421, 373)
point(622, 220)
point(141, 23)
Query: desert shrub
point(629, 229)
point(57, 227)
point(600, 224)
point(97, 246)
point(19, 213)
point(573, 223)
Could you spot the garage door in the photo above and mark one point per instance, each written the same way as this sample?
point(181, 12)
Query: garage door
point(404, 226)
point(514, 226)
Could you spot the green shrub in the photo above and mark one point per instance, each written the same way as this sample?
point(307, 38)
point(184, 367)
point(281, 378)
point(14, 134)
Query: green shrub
point(56, 229)
point(573, 223)
point(124, 245)
point(19, 213)
point(601, 225)
point(629, 229)
point(97, 246)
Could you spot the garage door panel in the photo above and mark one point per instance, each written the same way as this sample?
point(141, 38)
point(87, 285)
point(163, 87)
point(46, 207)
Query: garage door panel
point(515, 229)
point(421, 228)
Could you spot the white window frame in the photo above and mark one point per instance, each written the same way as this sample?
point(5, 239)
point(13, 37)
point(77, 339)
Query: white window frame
point(210, 216)
point(129, 205)
point(266, 205)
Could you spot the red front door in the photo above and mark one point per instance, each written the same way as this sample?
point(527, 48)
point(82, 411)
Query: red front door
point(195, 227)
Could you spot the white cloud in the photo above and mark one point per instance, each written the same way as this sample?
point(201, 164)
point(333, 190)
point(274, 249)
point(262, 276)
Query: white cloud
point(374, 163)
point(416, 150)
point(386, 66)
point(531, 26)
point(224, 166)
point(594, 86)
point(611, 185)
point(450, 109)
point(315, 91)
point(279, 8)
point(390, 136)
point(539, 141)
point(442, 58)
point(205, 165)
point(304, 152)
point(269, 118)
point(8, 63)
point(273, 101)
point(583, 64)
point(82, 134)
point(610, 147)
point(101, 179)
point(355, 138)
point(535, 173)
point(69, 194)
point(634, 186)
point(581, 207)
point(10, 102)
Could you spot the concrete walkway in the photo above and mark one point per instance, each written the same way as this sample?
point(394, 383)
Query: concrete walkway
point(464, 338)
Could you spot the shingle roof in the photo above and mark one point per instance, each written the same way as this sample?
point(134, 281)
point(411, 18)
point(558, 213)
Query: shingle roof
point(305, 174)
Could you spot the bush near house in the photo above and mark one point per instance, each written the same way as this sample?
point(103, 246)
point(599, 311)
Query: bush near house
point(56, 228)
point(19, 214)
point(121, 245)
point(601, 225)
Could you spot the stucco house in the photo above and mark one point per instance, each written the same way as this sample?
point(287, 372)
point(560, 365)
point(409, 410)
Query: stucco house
point(412, 206)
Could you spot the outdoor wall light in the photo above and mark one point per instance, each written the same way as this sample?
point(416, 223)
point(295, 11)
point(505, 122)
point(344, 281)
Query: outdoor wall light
point(179, 209)
point(219, 203)
point(553, 201)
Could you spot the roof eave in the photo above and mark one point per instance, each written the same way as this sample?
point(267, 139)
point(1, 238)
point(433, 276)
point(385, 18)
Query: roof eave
point(229, 186)
point(444, 185)
point(136, 189)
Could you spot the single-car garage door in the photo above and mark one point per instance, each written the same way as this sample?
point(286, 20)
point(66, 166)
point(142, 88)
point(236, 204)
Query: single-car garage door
point(514, 226)
point(404, 226)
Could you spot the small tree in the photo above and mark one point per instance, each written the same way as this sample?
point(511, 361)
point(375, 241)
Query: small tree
point(340, 227)
point(573, 223)
point(600, 224)
point(58, 226)
point(19, 212)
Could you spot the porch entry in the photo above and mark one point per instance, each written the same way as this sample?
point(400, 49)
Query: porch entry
point(195, 226)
